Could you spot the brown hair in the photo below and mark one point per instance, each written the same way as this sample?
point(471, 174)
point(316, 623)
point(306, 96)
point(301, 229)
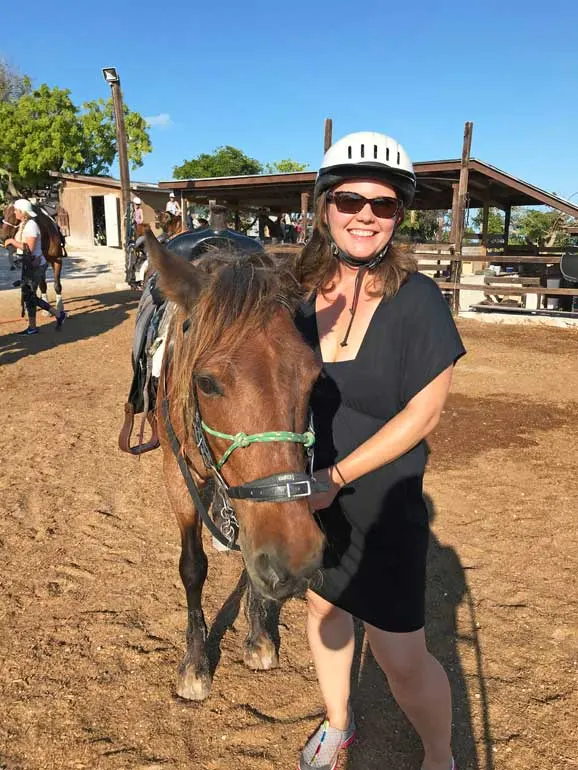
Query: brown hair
point(317, 266)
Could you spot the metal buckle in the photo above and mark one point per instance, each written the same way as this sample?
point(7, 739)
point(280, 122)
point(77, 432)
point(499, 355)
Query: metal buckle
point(293, 495)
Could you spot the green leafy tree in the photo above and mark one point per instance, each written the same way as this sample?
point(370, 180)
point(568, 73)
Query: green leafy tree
point(99, 132)
point(422, 225)
point(285, 166)
point(224, 161)
point(44, 131)
point(542, 228)
point(496, 220)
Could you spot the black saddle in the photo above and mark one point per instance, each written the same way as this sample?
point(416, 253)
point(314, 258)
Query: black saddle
point(193, 243)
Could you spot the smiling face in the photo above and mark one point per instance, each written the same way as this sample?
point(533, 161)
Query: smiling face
point(361, 235)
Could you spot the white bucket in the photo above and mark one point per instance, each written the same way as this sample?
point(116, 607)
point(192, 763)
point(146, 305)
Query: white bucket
point(552, 302)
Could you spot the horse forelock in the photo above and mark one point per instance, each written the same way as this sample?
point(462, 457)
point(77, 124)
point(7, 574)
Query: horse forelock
point(241, 297)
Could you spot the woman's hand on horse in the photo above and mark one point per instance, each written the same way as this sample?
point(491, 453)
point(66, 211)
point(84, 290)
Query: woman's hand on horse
point(324, 499)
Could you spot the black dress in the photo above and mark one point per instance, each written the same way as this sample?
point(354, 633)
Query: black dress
point(377, 529)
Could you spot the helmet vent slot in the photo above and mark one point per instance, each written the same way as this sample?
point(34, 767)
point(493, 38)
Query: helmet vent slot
point(363, 151)
point(349, 152)
point(398, 158)
point(387, 153)
point(375, 152)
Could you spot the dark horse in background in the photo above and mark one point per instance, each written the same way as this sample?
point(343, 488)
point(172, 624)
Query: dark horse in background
point(52, 244)
point(235, 368)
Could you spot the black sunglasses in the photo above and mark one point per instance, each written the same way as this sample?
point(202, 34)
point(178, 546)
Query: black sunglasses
point(352, 203)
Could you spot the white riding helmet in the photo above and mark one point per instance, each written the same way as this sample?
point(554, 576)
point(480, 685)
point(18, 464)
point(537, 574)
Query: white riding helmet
point(171, 195)
point(24, 206)
point(367, 155)
point(136, 201)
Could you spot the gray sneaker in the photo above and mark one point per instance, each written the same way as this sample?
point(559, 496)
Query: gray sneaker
point(322, 749)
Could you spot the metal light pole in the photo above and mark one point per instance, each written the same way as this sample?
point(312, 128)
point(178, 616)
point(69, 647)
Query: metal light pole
point(112, 78)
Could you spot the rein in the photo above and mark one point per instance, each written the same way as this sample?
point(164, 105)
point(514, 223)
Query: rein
point(5, 222)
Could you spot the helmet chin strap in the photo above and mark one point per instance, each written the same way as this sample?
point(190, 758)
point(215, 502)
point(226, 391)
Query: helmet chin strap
point(362, 266)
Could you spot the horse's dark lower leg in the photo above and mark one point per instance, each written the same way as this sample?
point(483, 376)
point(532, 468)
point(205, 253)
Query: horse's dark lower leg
point(57, 269)
point(260, 651)
point(194, 678)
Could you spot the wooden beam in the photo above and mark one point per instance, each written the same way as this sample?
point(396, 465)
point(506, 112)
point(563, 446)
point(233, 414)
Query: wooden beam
point(507, 220)
point(463, 187)
point(485, 220)
point(454, 212)
point(460, 210)
point(183, 211)
point(305, 196)
point(487, 288)
point(328, 135)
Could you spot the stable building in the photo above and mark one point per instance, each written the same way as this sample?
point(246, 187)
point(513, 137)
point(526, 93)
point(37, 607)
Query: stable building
point(92, 204)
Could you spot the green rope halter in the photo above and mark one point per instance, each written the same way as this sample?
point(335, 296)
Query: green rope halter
point(243, 440)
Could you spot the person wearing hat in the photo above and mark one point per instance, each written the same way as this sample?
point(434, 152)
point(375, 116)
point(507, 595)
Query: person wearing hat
point(172, 206)
point(138, 215)
point(387, 344)
point(28, 243)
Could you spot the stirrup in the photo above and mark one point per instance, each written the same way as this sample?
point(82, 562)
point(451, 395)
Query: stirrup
point(126, 433)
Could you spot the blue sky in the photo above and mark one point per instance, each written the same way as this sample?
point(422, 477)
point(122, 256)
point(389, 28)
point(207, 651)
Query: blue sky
point(263, 76)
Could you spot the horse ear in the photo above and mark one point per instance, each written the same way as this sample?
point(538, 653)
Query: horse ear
point(179, 281)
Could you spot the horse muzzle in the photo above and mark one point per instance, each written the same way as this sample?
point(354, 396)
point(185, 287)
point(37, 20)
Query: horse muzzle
point(272, 576)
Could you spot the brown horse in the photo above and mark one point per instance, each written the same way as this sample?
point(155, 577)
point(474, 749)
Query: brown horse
point(235, 358)
point(52, 244)
point(169, 223)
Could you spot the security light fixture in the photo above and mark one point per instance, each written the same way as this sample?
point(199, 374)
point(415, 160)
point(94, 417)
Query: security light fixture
point(110, 75)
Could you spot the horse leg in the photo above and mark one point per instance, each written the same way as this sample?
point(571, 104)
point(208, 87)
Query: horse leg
point(260, 651)
point(44, 292)
point(194, 676)
point(57, 270)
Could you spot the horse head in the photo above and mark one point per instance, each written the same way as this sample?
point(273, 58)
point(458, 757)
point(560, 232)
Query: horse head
point(239, 364)
point(9, 223)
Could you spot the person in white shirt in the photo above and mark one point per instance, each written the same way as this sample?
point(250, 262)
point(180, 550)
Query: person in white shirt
point(28, 243)
point(173, 206)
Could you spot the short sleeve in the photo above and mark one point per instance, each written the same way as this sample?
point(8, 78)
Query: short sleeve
point(31, 229)
point(431, 341)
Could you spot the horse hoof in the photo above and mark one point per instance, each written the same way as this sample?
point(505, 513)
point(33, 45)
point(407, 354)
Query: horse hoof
point(260, 656)
point(191, 686)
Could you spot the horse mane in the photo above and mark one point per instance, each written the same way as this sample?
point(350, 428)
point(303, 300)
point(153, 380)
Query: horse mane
point(240, 294)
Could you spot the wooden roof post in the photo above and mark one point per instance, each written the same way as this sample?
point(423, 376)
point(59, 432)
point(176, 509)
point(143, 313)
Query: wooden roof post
point(485, 221)
point(455, 188)
point(507, 220)
point(217, 215)
point(183, 211)
point(305, 196)
point(328, 135)
point(460, 211)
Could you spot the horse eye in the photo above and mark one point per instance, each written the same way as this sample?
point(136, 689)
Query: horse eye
point(208, 385)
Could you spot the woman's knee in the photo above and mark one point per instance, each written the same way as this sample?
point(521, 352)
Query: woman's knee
point(321, 609)
point(402, 657)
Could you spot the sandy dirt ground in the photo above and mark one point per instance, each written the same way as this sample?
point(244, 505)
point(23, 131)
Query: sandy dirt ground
point(92, 613)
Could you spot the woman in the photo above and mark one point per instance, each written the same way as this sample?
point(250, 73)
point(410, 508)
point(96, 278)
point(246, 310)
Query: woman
point(28, 243)
point(388, 345)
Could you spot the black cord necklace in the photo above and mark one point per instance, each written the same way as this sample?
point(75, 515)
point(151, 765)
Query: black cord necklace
point(362, 266)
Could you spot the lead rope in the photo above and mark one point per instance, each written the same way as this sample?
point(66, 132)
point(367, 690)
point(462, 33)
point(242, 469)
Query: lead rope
point(357, 291)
